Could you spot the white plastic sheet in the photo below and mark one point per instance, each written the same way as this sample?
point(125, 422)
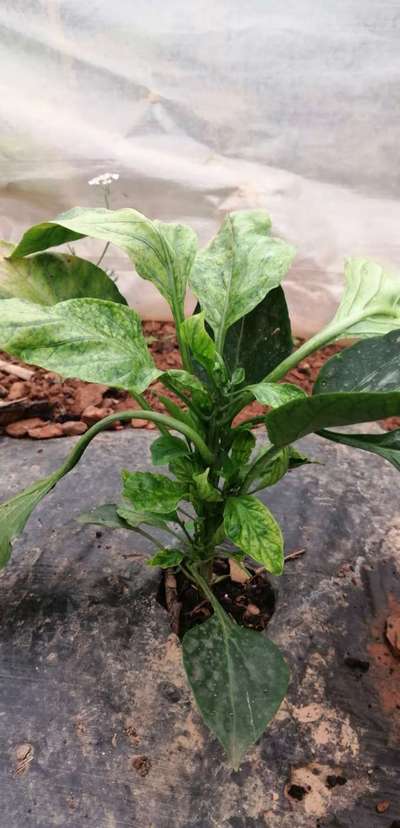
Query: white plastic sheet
point(204, 107)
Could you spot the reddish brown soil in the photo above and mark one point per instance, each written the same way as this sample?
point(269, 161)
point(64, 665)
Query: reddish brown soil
point(43, 406)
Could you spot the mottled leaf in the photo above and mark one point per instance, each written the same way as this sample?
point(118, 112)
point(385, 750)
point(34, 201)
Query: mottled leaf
point(369, 365)
point(167, 448)
point(161, 253)
point(242, 447)
point(202, 346)
point(205, 489)
point(371, 301)
point(252, 527)
point(266, 471)
point(166, 558)
point(181, 382)
point(237, 269)
point(275, 394)
point(50, 278)
point(152, 492)
point(90, 339)
point(239, 679)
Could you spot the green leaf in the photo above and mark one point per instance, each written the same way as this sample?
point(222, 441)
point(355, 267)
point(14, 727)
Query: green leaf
point(298, 459)
point(104, 515)
point(237, 269)
point(133, 518)
point(301, 417)
point(42, 236)
point(161, 253)
point(266, 471)
point(203, 346)
point(205, 489)
point(181, 382)
point(49, 278)
point(184, 468)
point(275, 394)
point(252, 527)
point(152, 492)
point(15, 513)
point(242, 447)
point(183, 415)
point(369, 365)
point(90, 339)
point(261, 339)
point(166, 558)
point(387, 445)
point(167, 448)
point(371, 302)
point(239, 679)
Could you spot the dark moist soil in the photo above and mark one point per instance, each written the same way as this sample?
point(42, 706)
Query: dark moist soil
point(40, 405)
point(251, 604)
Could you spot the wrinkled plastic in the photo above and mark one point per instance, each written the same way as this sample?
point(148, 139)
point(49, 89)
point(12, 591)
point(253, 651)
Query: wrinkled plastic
point(203, 108)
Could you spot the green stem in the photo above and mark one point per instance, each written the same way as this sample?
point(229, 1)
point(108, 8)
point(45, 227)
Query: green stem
point(319, 340)
point(328, 334)
point(199, 580)
point(154, 417)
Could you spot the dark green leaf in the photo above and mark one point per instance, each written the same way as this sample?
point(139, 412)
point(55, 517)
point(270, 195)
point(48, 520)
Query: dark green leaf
point(387, 445)
point(166, 558)
point(50, 278)
point(167, 448)
point(152, 492)
point(239, 679)
point(90, 339)
point(237, 269)
point(252, 527)
point(261, 339)
point(369, 365)
point(301, 417)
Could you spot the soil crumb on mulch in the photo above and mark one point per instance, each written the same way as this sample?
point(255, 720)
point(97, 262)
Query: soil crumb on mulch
point(38, 404)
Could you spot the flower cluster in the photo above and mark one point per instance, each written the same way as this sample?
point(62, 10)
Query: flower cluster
point(103, 180)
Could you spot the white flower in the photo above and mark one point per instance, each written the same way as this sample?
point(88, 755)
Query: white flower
point(103, 180)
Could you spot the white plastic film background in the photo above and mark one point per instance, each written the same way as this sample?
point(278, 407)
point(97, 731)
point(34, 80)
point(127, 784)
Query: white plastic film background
point(204, 107)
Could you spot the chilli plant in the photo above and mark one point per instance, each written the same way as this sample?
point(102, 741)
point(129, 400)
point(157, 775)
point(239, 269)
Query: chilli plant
point(65, 314)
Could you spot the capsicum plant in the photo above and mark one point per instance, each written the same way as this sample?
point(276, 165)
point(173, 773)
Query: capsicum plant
point(64, 314)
